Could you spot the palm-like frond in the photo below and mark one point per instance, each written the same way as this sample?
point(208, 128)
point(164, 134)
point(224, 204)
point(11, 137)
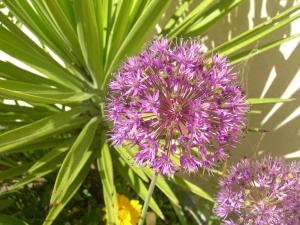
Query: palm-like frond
point(78, 45)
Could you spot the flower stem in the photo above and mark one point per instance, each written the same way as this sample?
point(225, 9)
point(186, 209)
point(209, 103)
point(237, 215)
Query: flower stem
point(147, 200)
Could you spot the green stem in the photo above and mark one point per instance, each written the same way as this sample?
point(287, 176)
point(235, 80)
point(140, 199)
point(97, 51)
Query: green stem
point(147, 200)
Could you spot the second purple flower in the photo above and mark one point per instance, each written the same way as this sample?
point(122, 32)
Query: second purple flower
point(181, 109)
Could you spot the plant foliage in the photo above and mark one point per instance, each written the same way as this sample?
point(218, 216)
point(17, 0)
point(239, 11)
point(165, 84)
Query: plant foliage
point(77, 45)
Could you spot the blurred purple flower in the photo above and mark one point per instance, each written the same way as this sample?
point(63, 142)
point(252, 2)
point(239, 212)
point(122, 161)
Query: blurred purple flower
point(261, 192)
point(171, 101)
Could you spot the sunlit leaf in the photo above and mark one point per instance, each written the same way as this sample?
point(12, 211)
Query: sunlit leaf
point(73, 170)
point(40, 129)
point(256, 101)
point(105, 168)
point(193, 188)
point(137, 184)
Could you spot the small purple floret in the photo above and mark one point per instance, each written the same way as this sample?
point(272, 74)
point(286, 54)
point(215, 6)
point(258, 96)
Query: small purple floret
point(172, 102)
point(261, 192)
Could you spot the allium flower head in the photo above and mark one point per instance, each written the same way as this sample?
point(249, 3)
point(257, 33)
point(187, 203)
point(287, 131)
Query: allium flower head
point(265, 192)
point(171, 101)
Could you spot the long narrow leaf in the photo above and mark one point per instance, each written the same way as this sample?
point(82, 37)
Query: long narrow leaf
point(255, 101)
point(24, 49)
point(136, 183)
point(258, 32)
point(33, 93)
point(128, 159)
point(47, 164)
point(163, 186)
point(46, 144)
point(15, 171)
point(210, 17)
point(192, 17)
point(63, 25)
point(57, 207)
point(75, 160)
point(37, 22)
point(260, 49)
point(105, 167)
point(90, 39)
point(11, 72)
point(180, 214)
point(138, 34)
point(136, 11)
point(73, 170)
point(40, 129)
point(192, 188)
point(119, 28)
point(177, 15)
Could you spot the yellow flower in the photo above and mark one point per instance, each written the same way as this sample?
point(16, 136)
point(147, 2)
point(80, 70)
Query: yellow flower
point(129, 211)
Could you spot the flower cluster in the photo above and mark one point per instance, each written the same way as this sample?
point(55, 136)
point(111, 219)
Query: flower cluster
point(177, 106)
point(261, 192)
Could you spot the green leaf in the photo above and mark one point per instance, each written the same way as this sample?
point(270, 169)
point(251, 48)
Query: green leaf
point(41, 129)
point(138, 34)
point(67, 7)
point(256, 101)
point(73, 170)
point(180, 214)
point(34, 93)
point(49, 163)
point(46, 144)
point(105, 167)
point(254, 112)
point(11, 72)
point(15, 171)
point(25, 110)
point(7, 162)
point(258, 130)
point(90, 38)
point(104, 19)
point(210, 17)
point(260, 49)
point(11, 220)
point(257, 32)
point(177, 15)
point(119, 28)
point(56, 207)
point(75, 159)
point(63, 25)
point(37, 20)
point(54, 155)
point(191, 18)
point(163, 186)
point(192, 188)
point(25, 50)
point(136, 184)
point(136, 11)
point(127, 158)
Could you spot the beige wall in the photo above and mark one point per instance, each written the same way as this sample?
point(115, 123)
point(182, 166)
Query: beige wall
point(272, 74)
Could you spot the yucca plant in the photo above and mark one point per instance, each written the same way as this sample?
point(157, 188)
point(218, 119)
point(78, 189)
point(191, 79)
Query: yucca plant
point(70, 49)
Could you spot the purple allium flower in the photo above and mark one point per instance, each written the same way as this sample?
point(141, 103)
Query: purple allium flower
point(181, 109)
point(261, 192)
